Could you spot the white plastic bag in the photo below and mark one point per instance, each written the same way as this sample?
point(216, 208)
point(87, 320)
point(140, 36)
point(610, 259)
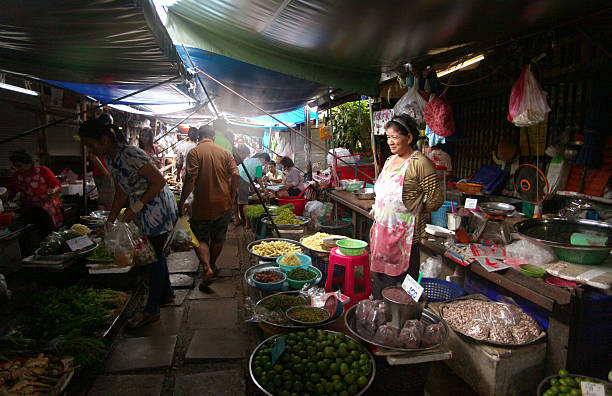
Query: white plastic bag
point(412, 103)
point(432, 267)
point(535, 254)
point(181, 238)
point(344, 154)
point(528, 105)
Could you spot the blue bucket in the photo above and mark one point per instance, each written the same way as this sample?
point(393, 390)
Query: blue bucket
point(439, 216)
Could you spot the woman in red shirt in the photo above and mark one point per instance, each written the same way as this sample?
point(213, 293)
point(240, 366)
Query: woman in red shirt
point(38, 187)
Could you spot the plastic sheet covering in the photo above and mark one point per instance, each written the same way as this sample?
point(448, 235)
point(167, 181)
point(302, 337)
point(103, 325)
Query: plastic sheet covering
point(347, 43)
point(94, 41)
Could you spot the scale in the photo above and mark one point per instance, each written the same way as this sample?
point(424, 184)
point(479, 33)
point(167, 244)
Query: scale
point(491, 226)
point(532, 186)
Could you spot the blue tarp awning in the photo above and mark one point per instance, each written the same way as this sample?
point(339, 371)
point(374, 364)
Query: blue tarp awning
point(273, 91)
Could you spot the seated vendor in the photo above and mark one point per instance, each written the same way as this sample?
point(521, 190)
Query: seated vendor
point(294, 181)
point(274, 175)
point(38, 187)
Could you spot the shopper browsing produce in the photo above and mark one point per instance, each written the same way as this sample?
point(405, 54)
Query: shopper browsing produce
point(142, 188)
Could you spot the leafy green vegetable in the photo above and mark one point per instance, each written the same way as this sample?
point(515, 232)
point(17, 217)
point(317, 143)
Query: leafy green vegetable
point(101, 254)
point(254, 211)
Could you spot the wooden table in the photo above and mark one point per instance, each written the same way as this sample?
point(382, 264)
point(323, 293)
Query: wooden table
point(561, 303)
point(359, 209)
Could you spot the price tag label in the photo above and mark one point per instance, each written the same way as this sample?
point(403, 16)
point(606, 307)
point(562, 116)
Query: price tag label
point(471, 203)
point(278, 349)
point(491, 265)
point(79, 243)
point(592, 389)
point(412, 288)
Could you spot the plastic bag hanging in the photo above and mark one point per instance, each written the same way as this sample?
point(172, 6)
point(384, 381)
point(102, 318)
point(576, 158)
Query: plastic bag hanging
point(181, 238)
point(439, 116)
point(528, 105)
point(119, 242)
point(411, 103)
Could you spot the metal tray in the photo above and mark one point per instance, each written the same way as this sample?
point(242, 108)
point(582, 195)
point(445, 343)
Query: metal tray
point(304, 221)
point(311, 249)
point(497, 208)
point(481, 341)
point(273, 266)
point(428, 317)
point(267, 258)
point(363, 350)
point(65, 256)
point(292, 326)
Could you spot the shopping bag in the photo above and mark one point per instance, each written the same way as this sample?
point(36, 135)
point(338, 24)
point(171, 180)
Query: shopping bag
point(528, 105)
point(439, 116)
point(144, 252)
point(411, 103)
point(181, 238)
point(119, 242)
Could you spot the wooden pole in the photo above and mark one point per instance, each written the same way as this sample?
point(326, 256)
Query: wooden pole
point(373, 139)
point(84, 111)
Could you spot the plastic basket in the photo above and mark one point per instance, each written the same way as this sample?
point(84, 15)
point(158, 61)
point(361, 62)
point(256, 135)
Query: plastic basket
point(439, 216)
point(298, 204)
point(440, 290)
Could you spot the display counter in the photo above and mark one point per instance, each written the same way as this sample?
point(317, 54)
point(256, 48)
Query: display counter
point(358, 209)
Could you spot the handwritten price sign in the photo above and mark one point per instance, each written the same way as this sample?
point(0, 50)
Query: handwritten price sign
point(592, 389)
point(412, 288)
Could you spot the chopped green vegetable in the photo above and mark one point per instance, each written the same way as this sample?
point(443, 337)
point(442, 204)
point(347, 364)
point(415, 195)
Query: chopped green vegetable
point(254, 211)
point(301, 274)
point(287, 217)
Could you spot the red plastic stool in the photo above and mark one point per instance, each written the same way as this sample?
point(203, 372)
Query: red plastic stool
point(348, 282)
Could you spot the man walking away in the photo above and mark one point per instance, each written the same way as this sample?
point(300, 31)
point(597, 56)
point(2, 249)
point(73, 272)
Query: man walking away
point(183, 149)
point(212, 175)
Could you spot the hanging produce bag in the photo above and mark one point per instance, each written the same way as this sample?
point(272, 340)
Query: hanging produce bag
point(411, 103)
point(528, 104)
point(119, 242)
point(439, 116)
point(181, 238)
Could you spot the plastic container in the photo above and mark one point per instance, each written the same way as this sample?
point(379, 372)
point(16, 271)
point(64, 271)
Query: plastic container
point(298, 204)
point(440, 290)
point(270, 286)
point(439, 216)
point(351, 247)
point(306, 260)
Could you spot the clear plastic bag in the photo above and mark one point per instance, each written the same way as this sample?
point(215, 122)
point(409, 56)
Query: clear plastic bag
point(181, 238)
point(412, 103)
point(144, 252)
point(432, 335)
point(363, 309)
point(388, 335)
point(119, 242)
point(535, 254)
point(410, 337)
point(528, 105)
point(432, 267)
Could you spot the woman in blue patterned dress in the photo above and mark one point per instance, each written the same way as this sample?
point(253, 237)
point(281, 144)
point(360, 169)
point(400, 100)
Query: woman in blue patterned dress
point(142, 189)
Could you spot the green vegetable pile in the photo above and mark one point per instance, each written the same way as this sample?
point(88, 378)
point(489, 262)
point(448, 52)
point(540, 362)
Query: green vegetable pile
point(301, 274)
point(287, 217)
point(254, 211)
point(71, 321)
point(314, 362)
point(308, 314)
point(56, 243)
point(101, 254)
point(283, 302)
point(566, 384)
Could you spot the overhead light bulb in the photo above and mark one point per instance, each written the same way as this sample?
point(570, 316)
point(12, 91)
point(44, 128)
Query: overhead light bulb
point(18, 89)
point(461, 65)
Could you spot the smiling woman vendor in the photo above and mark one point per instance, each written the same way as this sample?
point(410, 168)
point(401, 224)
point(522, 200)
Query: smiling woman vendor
point(407, 186)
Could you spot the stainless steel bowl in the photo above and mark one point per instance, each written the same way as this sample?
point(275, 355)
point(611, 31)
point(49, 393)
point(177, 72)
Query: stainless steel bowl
point(497, 208)
point(365, 193)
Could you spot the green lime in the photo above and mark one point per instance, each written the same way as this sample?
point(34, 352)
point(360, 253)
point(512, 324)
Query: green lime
point(554, 381)
point(311, 367)
point(554, 389)
point(353, 389)
point(278, 380)
point(329, 387)
point(364, 357)
point(344, 369)
point(338, 386)
point(297, 386)
point(564, 389)
point(575, 392)
point(563, 373)
point(320, 389)
point(362, 381)
point(342, 351)
point(333, 368)
point(315, 377)
point(335, 377)
point(349, 378)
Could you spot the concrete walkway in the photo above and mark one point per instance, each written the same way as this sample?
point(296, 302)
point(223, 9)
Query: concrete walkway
point(201, 344)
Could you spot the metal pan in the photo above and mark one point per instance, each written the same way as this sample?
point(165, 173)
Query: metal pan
point(497, 208)
point(267, 258)
point(303, 222)
point(274, 337)
point(427, 317)
point(259, 308)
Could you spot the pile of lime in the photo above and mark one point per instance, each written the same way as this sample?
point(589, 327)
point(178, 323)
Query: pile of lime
point(566, 384)
point(314, 362)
